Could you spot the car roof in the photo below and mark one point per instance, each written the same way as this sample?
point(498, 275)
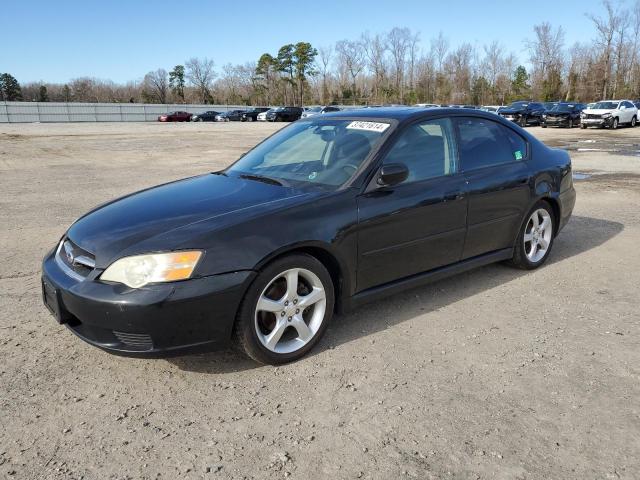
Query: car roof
point(403, 113)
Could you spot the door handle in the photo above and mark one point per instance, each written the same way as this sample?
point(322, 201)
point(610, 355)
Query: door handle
point(451, 196)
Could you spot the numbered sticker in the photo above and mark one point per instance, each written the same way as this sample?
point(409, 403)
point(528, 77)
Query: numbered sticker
point(369, 126)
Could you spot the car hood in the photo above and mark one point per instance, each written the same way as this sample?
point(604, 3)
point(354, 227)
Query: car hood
point(150, 220)
point(511, 111)
point(597, 111)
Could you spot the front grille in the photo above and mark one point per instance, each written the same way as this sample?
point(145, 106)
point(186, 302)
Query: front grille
point(140, 341)
point(593, 116)
point(77, 262)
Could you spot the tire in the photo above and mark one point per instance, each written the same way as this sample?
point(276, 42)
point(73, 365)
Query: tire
point(249, 119)
point(529, 252)
point(634, 120)
point(570, 123)
point(583, 126)
point(284, 332)
point(523, 121)
point(543, 125)
point(614, 125)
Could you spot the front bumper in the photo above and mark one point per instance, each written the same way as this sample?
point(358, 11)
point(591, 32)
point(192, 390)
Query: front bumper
point(153, 321)
point(597, 122)
point(556, 121)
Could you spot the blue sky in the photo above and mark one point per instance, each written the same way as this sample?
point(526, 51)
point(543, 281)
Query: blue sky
point(122, 40)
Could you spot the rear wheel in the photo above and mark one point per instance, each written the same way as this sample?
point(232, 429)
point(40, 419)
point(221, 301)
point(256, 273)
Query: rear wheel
point(535, 238)
point(286, 310)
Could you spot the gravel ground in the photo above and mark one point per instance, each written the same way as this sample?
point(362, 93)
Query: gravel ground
point(496, 373)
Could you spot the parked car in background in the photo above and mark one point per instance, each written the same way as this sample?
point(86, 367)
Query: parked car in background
point(426, 105)
point(610, 113)
point(637, 104)
point(550, 105)
point(311, 111)
point(563, 115)
point(175, 117)
point(490, 108)
point(590, 105)
point(523, 113)
point(262, 117)
point(252, 115)
point(230, 116)
point(284, 114)
point(209, 116)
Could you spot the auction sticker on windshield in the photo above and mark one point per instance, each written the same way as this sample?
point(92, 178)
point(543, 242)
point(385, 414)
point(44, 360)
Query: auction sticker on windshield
point(370, 126)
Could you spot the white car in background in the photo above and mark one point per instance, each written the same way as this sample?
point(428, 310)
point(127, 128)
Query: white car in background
point(262, 117)
point(491, 108)
point(426, 105)
point(312, 111)
point(610, 113)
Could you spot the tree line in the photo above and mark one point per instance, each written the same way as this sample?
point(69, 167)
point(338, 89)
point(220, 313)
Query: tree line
point(390, 67)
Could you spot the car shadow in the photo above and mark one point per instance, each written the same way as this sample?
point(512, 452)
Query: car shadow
point(580, 235)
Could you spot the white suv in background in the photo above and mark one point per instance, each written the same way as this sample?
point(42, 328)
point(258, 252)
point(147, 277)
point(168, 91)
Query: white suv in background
point(610, 113)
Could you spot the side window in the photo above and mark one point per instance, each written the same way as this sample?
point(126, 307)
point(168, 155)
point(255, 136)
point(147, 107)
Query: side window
point(427, 149)
point(484, 143)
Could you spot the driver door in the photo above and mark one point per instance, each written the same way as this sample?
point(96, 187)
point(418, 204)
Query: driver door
point(419, 224)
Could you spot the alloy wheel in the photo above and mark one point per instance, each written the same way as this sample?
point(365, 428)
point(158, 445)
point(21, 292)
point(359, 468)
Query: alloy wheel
point(537, 235)
point(290, 310)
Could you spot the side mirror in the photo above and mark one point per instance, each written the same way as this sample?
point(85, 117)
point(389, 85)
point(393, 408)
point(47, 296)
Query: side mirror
point(392, 174)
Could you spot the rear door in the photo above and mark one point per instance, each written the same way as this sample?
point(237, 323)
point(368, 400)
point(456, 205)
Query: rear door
point(419, 224)
point(493, 160)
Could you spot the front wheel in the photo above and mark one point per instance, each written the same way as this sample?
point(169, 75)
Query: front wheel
point(583, 126)
point(535, 238)
point(614, 125)
point(249, 119)
point(633, 122)
point(523, 121)
point(286, 310)
point(571, 123)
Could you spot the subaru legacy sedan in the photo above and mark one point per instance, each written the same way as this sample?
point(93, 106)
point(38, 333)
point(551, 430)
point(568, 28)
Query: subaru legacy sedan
point(325, 214)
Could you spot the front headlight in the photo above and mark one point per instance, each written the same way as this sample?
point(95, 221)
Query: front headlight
point(583, 115)
point(544, 115)
point(606, 115)
point(138, 270)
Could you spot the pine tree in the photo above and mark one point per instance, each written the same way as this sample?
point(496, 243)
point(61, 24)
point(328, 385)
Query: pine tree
point(176, 81)
point(10, 90)
point(43, 95)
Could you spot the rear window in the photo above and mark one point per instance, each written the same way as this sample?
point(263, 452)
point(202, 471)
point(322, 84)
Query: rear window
point(484, 143)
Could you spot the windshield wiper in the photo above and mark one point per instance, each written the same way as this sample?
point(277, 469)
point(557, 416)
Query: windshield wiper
point(262, 178)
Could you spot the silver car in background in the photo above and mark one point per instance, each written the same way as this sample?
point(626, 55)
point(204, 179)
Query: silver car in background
point(312, 111)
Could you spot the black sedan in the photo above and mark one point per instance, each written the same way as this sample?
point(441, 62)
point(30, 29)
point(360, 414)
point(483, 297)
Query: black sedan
point(324, 215)
point(284, 114)
point(208, 116)
point(562, 115)
point(524, 113)
point(252, 115)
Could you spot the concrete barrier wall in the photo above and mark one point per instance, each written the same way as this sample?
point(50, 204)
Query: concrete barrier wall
point(21, 112)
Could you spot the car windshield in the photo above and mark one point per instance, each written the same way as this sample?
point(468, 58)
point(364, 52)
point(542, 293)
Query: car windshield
point(324, 152)
point(519, 104)
point(605, 106)
point(563, 108)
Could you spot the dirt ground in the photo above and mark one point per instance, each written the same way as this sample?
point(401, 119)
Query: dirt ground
point(496, 373)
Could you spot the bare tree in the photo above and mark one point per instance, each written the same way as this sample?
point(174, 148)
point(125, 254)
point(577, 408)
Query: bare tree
point(440, 47)
point(375, 50)
point(324, 56)
point(606, 28)
point(200, 74)
point(351, 55)
point(546, 56)
point(399, 40)
point(156, 86)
